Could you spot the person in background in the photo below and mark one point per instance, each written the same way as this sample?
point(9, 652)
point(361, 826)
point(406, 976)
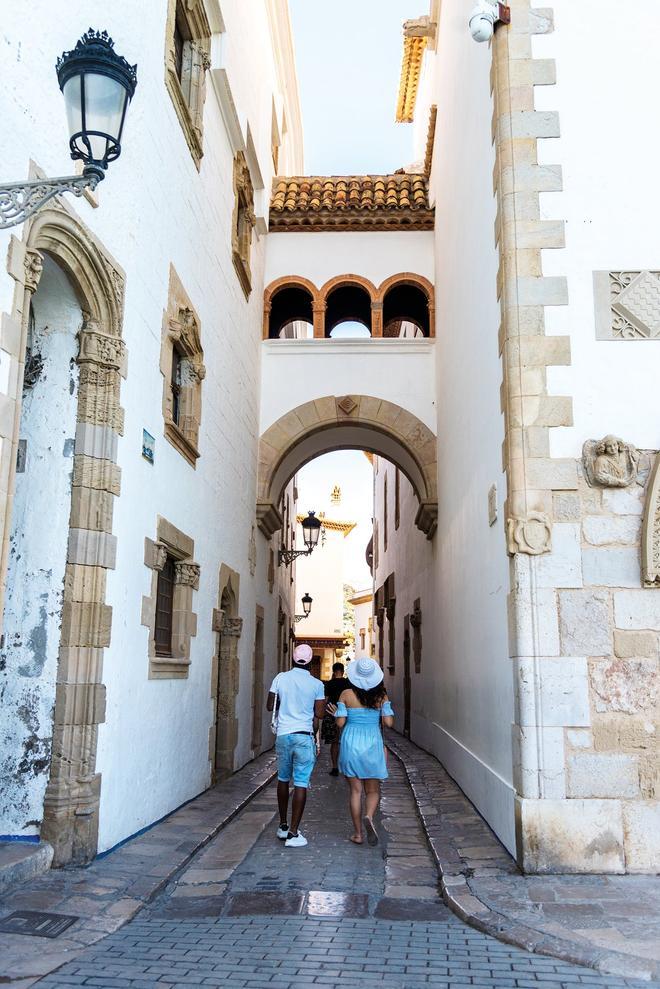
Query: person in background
point(361, 708)
point(330, 731)
point(300, 699)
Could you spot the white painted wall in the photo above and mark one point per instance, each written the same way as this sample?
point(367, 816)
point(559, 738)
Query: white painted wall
point(467, 681)
point(37, 558)
point(375, 255)
point(609, 155)
point(363, 613)
point(156, 209)
point(399, 371)
point(322, 574)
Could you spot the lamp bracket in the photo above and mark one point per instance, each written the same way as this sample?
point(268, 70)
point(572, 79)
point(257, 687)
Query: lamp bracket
point(20, 200)
point(299, 618)
point(287, 556)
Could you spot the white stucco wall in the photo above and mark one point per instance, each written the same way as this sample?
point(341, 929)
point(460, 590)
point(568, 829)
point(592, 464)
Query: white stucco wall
point(37, 557)
point(399, 371)
point(609, 155)
point(363, 612)
point(469, 683)
point(156, 209)
point(322, 575)
point(376, 255)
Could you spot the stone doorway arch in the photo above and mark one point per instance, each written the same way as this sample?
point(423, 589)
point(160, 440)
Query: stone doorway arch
point(71, 802)
point(347, 422)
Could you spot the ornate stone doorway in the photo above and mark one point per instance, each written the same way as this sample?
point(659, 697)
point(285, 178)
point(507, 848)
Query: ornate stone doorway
point(229, 627)
point(69, 685)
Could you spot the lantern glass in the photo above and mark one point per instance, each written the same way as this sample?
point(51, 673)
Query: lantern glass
point(311, 529)
point(307, 604)
point(95, 106)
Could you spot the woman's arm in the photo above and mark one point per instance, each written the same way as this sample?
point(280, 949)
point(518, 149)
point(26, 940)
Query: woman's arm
point(386, 719)
point(341, 721)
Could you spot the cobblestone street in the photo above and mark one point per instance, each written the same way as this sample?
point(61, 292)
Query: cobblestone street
point(247, 912)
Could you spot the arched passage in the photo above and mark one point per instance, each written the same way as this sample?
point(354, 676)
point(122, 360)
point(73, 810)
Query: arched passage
point(347, 422)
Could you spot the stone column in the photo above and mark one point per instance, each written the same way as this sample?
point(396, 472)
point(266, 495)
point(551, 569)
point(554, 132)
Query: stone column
point(318, 313)
point(228, 682)
point(71, 803)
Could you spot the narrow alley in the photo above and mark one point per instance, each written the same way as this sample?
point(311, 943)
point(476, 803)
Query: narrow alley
point(246, 912)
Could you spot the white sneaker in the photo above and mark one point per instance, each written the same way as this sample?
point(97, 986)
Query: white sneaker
point(282, 833)
point(296, 842)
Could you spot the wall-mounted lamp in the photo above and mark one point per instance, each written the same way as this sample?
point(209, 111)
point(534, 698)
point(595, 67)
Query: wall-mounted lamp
point(485, 16)
point(311, 528)
point(97, 85)
point(307, 607)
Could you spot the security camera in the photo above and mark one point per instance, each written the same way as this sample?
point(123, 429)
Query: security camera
point(484, 17)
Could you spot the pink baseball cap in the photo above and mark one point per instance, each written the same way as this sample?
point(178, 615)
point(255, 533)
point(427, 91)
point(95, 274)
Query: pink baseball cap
point(302, 654)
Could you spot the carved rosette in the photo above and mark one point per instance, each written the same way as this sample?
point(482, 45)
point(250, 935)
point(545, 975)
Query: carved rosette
point(34, 265)
point(532, 535)
point(232, 627)
point(187, 574)
point(651, 530)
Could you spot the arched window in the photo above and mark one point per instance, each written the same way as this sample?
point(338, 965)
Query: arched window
point(406, 312)
point(291, 315)
point(348, 312)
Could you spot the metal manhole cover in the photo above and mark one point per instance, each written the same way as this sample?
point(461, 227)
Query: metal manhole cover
point(36, 924)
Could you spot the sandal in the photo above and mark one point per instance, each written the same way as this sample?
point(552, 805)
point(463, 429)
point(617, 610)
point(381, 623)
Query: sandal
point(372, 834)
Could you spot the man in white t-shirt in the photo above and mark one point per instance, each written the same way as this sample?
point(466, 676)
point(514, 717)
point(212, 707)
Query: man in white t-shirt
point(300, 698)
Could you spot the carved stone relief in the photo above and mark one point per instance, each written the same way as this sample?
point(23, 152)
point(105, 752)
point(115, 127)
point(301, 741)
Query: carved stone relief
point(532, 535)
point(610, 462)
point(252, 553)
point(627, 305)
point(651, 530)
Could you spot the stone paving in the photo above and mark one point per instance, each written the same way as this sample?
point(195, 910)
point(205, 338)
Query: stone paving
point(249, 913)
point(611, 923)
point(112, 889)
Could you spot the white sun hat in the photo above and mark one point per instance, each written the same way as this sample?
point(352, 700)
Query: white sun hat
point(364, 673)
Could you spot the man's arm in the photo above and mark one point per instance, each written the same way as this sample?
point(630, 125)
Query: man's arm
point(270, 701)
point(319, 709)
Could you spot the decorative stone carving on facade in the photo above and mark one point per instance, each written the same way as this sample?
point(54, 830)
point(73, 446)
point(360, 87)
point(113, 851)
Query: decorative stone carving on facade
point(532, 535)
point(34, 265)
point(243, 222)
point(232, 627)
point(271, 570)
point(181, 341)
point(186, 81)
point(610, 462)
point(627, 305)
point(187, 574)
point(346, 405)
point(100, 348)
point(171, 542)
point(651, 530)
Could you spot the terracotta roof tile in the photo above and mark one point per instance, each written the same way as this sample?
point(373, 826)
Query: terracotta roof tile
point(350, 201)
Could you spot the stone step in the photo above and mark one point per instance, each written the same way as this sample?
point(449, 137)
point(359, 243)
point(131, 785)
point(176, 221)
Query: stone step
point(21, 861)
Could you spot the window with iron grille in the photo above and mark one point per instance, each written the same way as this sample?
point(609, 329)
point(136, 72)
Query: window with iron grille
point(175, 384)
point(164, 609)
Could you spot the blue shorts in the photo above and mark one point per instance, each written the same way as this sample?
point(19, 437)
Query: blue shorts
point(296, 756)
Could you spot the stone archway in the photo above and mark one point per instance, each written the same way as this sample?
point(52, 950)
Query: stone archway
point(347, 422)
point(71, 803)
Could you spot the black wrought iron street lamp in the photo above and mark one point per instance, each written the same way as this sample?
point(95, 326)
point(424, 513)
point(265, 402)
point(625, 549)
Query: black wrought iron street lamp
point(311, 528)
point(307, 607)
point(97, 84)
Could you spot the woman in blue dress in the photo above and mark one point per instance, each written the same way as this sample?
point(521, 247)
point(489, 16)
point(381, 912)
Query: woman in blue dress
point(360, 711)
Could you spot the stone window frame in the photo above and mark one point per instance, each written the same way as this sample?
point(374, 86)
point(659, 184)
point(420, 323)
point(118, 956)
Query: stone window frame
point(188, 93)
point(171, 542)
point(243, 222)
point(181, 333)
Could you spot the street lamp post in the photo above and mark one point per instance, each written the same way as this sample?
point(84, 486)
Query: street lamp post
point(97, 85)
point(307, 607)
point(311, 528)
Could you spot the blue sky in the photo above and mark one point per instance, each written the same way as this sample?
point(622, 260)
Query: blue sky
point(348, 57)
